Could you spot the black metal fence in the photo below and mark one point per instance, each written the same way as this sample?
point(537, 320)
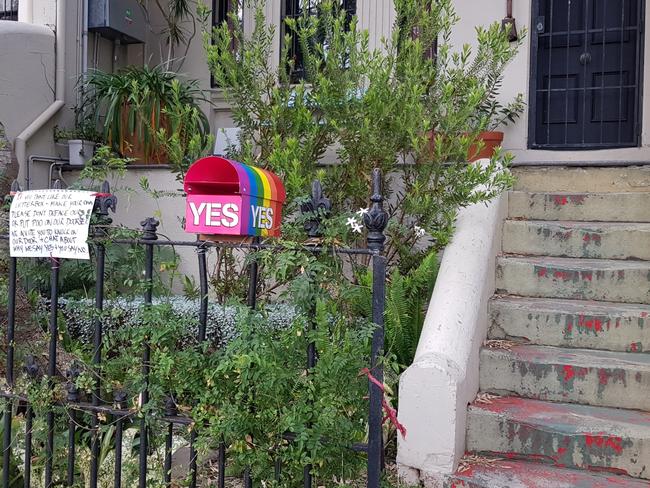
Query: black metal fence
point(100, 411)
point(8, 9)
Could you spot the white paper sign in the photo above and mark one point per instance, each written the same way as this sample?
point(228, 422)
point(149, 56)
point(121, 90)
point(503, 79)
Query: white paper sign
point(50, 223)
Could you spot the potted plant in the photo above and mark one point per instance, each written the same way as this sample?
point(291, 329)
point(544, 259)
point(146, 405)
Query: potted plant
point(81, 142)
point(136, 105)
point(491, 116)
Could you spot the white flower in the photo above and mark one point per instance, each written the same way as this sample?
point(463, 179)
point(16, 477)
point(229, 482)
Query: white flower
point(419, 231)
point(354, 225)
point(362, 211)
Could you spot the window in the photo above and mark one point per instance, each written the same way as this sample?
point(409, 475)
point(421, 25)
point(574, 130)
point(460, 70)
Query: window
point(8, 9)
point(415, 33)
point(294, 9)
point(220, 14)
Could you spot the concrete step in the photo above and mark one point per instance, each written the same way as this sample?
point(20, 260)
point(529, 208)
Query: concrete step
point(511, 473)
point(582, 180)
point(582, 279)
point(572, 436)
point(591, 207)
point(601, 378)
point(571, 323)
point(608, 240)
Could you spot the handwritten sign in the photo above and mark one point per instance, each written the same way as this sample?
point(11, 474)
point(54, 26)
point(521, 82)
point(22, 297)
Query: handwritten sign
point(50, 223)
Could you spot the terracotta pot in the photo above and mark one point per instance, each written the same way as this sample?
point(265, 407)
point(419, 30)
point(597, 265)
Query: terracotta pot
point(132, 144)
point(491, 140)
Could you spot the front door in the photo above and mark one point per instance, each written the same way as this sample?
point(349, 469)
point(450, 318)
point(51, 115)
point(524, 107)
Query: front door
point(586, 73)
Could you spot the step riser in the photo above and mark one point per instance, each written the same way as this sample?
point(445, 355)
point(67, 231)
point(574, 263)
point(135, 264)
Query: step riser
point(504, 473)
point(554, 239)
point(592, 207)
point(621, 331)
point(627, 284)
point(554, 379)
point(616, 454)
point(579, 180)
point(613, 453)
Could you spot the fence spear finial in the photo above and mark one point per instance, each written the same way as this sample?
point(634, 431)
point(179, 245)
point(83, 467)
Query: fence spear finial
point(376, 219)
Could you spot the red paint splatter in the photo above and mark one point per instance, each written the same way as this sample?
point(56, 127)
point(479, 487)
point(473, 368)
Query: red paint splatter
point(563, 275)
point(603, 377)
point(605, 441)
point(634, 347)
point(541, 272)
point(560, 200)
point(592, 323)
point(577, 199)
point(598, 325)
point(569, 374)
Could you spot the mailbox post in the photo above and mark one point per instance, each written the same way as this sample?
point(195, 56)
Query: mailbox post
point(231, 199)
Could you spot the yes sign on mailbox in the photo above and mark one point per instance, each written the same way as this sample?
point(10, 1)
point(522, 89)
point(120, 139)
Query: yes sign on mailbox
point(225, 197)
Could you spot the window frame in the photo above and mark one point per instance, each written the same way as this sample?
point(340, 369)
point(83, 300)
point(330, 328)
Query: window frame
point(9, 10)
point(220, 13)
point(295, 12)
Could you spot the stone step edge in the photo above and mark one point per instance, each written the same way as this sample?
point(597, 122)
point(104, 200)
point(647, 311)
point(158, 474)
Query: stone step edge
point(598, 326)
point(580, 261)
point(612, 439)
point(529, 473)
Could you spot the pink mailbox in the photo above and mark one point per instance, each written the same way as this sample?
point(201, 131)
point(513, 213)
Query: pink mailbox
point(228, 198)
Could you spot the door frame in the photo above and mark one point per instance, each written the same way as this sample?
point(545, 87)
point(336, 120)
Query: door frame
point(532, 93)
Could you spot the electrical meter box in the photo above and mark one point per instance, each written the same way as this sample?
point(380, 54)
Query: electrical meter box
point(120, 20)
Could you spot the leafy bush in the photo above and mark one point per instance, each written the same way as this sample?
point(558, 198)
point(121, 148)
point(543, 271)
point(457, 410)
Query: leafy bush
point(412, 115)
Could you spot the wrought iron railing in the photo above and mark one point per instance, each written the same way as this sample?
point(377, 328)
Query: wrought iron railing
point(97, 412)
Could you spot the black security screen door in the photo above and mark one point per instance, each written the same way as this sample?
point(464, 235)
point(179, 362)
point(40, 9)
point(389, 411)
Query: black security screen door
point(586, 73)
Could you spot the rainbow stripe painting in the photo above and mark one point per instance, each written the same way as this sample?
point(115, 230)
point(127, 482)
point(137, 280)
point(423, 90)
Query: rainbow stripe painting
point(226, 197)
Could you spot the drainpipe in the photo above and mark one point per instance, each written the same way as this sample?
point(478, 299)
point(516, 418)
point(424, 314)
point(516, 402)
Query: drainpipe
point(84, 40)
point(59, 93)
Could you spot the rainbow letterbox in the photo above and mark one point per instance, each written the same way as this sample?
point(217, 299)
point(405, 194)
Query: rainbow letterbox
point(228, 198)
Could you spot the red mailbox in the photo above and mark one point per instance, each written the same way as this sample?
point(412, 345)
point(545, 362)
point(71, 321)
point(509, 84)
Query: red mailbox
point(228, 198)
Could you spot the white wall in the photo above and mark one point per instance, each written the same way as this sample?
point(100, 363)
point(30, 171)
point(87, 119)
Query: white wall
point(26, 77)
point(26, 67)
point(377, 16)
